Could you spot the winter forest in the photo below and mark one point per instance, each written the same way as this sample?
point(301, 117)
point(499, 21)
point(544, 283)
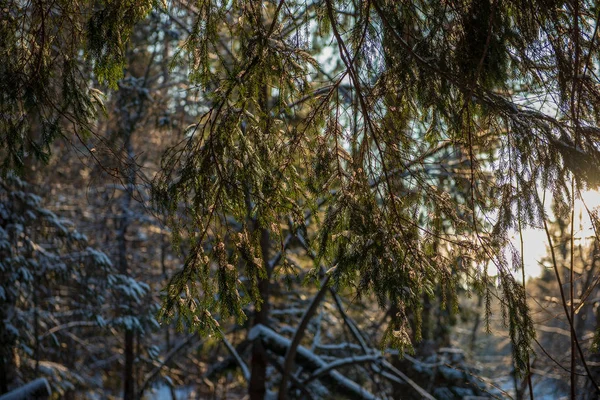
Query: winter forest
point(299, 199)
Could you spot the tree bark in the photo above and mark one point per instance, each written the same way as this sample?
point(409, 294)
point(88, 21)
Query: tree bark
point(3, 373)
point(129, 352)
point(128, 384)
point(258, 362)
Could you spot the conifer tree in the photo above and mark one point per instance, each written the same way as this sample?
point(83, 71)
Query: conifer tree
point(498, 96)
point(53, 288)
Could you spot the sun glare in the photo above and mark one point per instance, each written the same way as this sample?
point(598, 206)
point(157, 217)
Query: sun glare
point(535, 242)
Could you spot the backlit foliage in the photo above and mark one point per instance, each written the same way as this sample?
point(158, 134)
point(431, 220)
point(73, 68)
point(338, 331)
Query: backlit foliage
point(413, 134)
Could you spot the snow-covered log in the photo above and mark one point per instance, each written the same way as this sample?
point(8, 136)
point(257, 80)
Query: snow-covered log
point(310, 361)
point(36, 389)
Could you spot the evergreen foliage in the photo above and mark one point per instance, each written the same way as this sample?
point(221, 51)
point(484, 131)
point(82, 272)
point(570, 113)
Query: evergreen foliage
point(52, 284)
point(46, 91)
point(414, 149)
point(442, 94)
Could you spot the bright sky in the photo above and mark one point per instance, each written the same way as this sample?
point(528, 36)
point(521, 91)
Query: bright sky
point(536, 243)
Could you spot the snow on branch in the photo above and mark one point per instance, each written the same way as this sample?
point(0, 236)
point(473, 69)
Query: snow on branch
point(340, 363)
point(36, 389)
point(308, 360)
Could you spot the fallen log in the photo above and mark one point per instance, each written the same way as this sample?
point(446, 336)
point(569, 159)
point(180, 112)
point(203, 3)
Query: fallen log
point(310, 361)
point(36, 389)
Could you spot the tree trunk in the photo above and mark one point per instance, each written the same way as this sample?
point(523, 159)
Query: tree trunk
point(7, 339)
point(258, 363)
point(476, 323)
point(129, 352)
point(3, 373)
point(128, 383)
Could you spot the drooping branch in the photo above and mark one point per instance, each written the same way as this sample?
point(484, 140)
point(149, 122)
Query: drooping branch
point(237, 358)
point(149, 378)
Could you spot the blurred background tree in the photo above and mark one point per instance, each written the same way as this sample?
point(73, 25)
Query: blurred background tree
point(384, 151)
